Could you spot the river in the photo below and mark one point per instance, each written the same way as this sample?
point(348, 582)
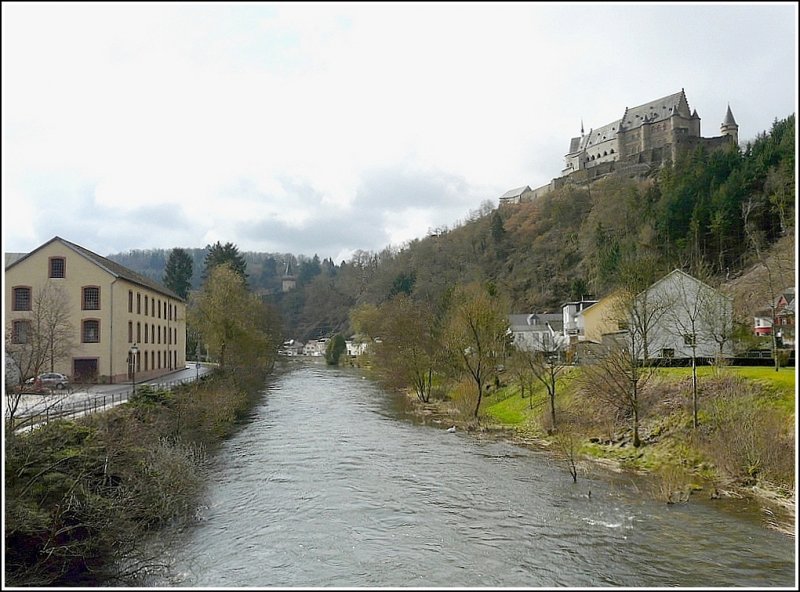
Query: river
point(330, 484)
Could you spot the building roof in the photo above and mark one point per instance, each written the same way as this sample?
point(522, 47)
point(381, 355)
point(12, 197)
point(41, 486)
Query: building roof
point(108, 265)
point(678, 272)
point(535, 321)
point(12, 257)
point(515, 192)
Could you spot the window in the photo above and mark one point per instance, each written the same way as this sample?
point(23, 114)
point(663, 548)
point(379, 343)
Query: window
point(130, 301)
point(57, 267)
point(146, 333)
point(21, 331)
point(91, 298)
point(159, 308)
point(22, 299)
point(146, 307)
point(689, 339)
point(138, 303)
point(91, 331)
point(138, 332)
point(667, 352)
point(130, 331)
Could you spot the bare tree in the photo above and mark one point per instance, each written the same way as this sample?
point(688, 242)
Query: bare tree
point(40, 340)
point(521, 372)
point(717, 322)
point(618, 378)
point(568, 440)
point(547, 366)
point(617, 371)
point(476, 337)
point(690, 303)
point(776, 270)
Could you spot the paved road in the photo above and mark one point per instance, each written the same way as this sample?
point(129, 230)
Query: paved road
point(88, 398)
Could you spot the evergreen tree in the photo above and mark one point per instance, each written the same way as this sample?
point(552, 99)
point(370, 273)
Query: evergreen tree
point(227, 253)
point(334, 350)
point(178, 272)
point(309, 269)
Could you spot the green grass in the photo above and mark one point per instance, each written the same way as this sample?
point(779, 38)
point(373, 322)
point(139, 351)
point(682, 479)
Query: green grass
point(780, 385)
point(675, 447)
point(507, 407)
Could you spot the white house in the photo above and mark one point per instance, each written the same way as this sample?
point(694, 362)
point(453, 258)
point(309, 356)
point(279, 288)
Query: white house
point(683, 311)
point(515, 196)
point(572, 320)
point(537, 332)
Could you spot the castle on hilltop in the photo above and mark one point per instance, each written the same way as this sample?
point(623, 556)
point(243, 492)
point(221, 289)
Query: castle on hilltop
point(645, 137)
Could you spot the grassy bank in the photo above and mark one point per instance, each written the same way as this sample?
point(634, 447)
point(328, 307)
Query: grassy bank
point(744, 444)
point(81, 496)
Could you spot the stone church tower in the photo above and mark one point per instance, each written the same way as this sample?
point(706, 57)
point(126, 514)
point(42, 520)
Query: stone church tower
point(289, 280)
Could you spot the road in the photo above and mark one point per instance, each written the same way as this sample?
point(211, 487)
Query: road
point(89, 398)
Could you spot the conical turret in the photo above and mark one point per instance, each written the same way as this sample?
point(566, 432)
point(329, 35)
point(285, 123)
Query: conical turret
point(729, 126)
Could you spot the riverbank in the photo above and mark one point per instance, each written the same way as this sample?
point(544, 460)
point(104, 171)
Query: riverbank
point(81, 495)
point(679, 461)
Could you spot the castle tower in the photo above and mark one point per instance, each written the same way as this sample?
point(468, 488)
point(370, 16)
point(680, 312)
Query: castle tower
point(288, 281)
point(729, 126)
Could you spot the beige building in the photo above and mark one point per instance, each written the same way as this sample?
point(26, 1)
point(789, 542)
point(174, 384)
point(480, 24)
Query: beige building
point(108, 309)
point(601, 318)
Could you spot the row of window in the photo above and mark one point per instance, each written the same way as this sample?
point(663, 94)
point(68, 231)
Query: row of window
point(90, 300)
point(90, 332)
point(152, 307)
point(604, 154)
point(152, 334)
point(23, 298)
point(153, 360)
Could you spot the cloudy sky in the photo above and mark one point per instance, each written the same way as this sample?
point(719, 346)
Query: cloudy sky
point(326, 128)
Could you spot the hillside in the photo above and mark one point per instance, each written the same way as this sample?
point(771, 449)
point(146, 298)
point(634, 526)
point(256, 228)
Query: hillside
point(712, 214)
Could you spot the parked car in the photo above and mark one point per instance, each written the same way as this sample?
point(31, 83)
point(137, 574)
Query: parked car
point(51, 379)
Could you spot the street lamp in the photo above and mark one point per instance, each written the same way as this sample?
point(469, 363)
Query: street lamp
point(133, 352)
point(197, 362)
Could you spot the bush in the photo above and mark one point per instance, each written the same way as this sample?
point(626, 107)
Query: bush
point(747, 440)
point(81, 496)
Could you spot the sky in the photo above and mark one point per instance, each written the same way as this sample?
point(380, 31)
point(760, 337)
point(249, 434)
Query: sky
point(327, 128)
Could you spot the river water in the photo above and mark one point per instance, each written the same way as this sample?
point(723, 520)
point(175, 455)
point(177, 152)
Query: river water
point(330, 484)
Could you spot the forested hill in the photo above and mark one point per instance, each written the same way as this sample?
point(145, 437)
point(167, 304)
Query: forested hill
point(710, 211)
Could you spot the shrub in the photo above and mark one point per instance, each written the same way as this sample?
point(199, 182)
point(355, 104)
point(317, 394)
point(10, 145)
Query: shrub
point(747, 440)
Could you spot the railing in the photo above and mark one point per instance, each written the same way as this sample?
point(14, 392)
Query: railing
point(64, 407)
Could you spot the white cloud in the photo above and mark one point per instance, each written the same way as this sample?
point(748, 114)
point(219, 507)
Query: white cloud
point(242, 116)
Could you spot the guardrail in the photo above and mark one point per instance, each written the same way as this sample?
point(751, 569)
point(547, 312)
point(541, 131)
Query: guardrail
point(63, 407)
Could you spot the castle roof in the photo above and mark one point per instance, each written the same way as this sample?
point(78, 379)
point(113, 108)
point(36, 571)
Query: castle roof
point(674, 104)
point(601, 134)
point(729, 120)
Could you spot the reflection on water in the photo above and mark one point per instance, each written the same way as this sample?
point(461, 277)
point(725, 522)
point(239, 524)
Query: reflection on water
point(327, 487)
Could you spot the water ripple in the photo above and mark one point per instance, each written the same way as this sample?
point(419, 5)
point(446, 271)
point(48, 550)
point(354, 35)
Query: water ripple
point(326, 488)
